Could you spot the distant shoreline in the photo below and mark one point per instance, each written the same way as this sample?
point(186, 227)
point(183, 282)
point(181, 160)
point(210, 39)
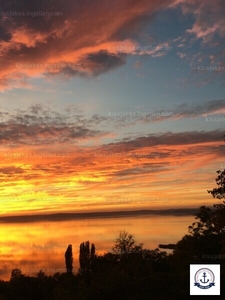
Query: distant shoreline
point(93, 215)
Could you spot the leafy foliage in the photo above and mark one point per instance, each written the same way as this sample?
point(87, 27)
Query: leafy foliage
point(219, 192)
point(125, 244)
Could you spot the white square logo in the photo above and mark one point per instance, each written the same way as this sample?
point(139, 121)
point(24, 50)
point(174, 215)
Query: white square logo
point(205, 279)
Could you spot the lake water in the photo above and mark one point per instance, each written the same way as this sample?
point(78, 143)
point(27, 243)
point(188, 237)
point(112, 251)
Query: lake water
point(41, 245)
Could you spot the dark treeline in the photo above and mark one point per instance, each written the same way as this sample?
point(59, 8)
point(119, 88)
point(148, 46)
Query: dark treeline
point(129, 271)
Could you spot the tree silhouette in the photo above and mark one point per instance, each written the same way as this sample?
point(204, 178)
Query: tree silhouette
point(207, 234)
point(125, 243)
point(41, 275)
point(86, 256)
point(69, 259)
point(212, 221)
point(219, 192)
point(16, 273)
point(205, 224)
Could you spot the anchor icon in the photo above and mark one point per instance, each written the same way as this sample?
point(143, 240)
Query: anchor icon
point(204, 276)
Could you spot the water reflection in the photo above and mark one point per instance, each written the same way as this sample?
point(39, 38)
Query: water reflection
point(34, 246)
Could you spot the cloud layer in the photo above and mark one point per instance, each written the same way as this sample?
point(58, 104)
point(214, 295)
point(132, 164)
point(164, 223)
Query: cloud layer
point(82, 39)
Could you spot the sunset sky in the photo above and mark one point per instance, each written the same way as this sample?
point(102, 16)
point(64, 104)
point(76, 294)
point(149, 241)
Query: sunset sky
point(110, 105)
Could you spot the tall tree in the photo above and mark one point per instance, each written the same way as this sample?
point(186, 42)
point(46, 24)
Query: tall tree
point(86, 256)
point(69, 259)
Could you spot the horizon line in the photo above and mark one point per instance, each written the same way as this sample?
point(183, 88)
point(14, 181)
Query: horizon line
point(66, 216)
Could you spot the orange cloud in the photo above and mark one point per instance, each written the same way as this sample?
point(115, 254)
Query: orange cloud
point(147, 172)
point(85, 39)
